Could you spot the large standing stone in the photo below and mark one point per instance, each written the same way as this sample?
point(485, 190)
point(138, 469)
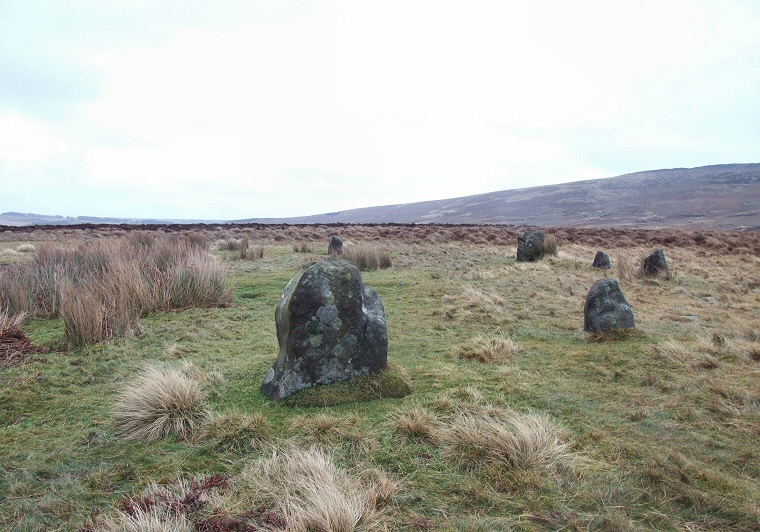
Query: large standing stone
point(335, 249)
point(530, 245)
point(601, 260)
point(655, 263)
point(606, 308)
point(330, 326)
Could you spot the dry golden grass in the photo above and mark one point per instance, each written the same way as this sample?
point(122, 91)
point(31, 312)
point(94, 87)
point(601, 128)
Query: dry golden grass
point(550, 246)
point(314, 494)
point(629, 267)
point(368, 258)
point(416, 423)
point(511, 441)
point(26, 248)
point(677, 353)
point(303, 247)
point(488, 349)
point(159, 518)
point(11, 321)
point(475, 303)
point(160, 402)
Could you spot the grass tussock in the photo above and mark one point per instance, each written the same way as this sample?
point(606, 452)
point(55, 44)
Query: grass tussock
point(303, 247)
point(416, 423)
point(550, 247)
point(299, 490)
point(235, 432)
point(155, 518)
point(160, 402)
point(320, 429)
point(233, 244)
point(314, 494)
point(488, 349)
point(239, 248)
point(632, 268)
point(475, 303)
point(629, 267)
point(513, 441)
point(14, 344)
point(26, 248)
point(678, 354)
point(394, 382)
point(368, 258)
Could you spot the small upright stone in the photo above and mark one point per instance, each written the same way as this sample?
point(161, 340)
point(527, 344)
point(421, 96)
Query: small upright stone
point(330, 327)
point(606, 308)
point(601, 261)
point(335, 249)
point(655, 263)
point(530, 245)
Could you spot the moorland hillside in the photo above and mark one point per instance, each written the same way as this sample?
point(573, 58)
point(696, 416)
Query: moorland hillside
point(717, 197)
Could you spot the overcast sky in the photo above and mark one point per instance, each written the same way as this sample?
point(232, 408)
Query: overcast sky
point(231, 109)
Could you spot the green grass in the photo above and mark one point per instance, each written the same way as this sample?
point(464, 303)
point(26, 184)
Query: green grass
point(652, 442)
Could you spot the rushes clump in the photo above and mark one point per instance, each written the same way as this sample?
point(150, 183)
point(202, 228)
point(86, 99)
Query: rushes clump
point(102, 288)
point(303, 247)
point(368, 258)
point(158, 403)
point(550, 247)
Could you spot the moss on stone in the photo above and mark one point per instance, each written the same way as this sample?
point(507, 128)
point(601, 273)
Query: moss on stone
point(393, 382)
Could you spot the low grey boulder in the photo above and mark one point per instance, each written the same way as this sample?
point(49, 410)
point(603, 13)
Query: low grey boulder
point(330, 327)
point(601, 261)
point(606, 308)
point(530, 245)
point(655, 263)
point(335, 249)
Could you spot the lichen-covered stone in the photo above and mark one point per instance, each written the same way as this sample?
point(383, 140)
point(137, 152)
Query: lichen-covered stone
point(606, 308)
point(601, 261)
point(330, 326)
point(530, 245)
point(655, 263)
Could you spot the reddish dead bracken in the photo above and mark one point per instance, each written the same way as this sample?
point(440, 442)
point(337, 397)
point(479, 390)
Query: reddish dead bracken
point(15, 346)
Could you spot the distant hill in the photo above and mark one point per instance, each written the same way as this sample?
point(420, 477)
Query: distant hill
point(719, 197)
point(21, 219)
point(723, 196)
